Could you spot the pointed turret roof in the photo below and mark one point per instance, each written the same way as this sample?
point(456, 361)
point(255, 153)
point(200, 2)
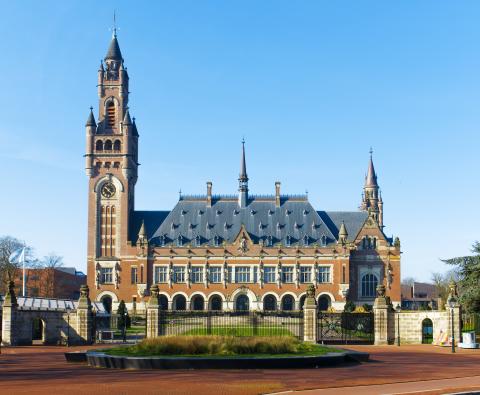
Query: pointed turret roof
point(114, 52)
point(371, 177)
point(142, 232)
point(135, 131)
point(343, 231)
point(243, 166)
point(91, 119)
point(126, 119)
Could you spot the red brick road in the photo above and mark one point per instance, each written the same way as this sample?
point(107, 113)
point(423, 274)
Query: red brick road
point(43, 370)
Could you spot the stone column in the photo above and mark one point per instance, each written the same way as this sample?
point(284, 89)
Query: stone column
point(85, 316)
point(153, 313)
point(381, 310)
point(310, 316)
point(9, 317)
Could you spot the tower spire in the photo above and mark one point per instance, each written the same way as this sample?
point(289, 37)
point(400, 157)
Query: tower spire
point(371, 177)
point(243, 179)
point(371, 200)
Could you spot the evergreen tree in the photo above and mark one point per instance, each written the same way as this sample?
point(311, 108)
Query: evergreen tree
point(468, 271)
point(122, 309)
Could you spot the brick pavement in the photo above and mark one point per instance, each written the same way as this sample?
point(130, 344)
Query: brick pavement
point(43, 370)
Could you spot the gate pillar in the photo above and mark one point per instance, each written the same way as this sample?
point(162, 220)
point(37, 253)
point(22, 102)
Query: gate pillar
point(381, 309)
point(153, 312)
point(85, 316)
point(9, 317)
point(310, 316)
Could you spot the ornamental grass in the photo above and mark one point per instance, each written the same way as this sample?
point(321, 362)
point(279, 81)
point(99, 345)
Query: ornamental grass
point(217, 345)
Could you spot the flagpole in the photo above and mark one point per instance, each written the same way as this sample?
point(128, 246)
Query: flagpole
point(23, 264)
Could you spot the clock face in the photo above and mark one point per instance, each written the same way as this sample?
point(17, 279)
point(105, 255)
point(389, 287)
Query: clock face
point(108, 190)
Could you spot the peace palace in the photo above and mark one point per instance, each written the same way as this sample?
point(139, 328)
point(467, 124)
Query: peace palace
point(240, 252)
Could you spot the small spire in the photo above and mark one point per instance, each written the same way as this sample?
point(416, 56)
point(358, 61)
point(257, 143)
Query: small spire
point(180, 194)
point(343, 234)
point(91, 119)
point(371, 177)
point(114, 52)
point(126, 119)
point(134, 127)
point(101, 66)
point(243, 166)
point(142, 233)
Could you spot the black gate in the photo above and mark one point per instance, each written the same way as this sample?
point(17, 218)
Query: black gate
point(345, 328)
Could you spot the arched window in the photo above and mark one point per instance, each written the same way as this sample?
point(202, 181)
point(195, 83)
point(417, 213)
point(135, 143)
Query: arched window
point(374, 244)
point(324, 240)
point(305, 240)
point(179, 241)
point(324, 302)
point(117, 145)
point(179, 303)
point(242, 303)
point(110, 118)
point(163, 302)
point(369, 285)
point(216, 303)
point(99, 145)
point(197, 303)
point(288, 241)
point(198, 241)
point(270, 303)
point(108, 145)
point(107, 303)
point(288, 303)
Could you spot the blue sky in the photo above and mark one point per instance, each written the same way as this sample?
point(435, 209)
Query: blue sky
point(310, 84)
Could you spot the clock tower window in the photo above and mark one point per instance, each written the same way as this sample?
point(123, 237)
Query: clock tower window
point(111, 115)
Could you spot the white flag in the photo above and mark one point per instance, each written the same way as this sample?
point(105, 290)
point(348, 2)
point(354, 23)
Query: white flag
point(17, 256)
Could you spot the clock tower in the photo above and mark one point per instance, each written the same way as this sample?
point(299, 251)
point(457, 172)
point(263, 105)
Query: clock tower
point(111, 166)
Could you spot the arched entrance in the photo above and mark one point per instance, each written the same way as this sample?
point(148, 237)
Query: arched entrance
point(288, 303)
point(197, 303)
point(324, 302)
point(179, 303)
point(107, 303)
point(242, 303)
point(427, 331)
point(38, 330)
point(216, 303)
point(163, 302)
point(270, 303)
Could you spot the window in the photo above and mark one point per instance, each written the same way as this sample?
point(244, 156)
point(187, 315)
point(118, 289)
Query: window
point(99, 145)
point(117, 145)
point(215, 274)
point(179, 274)
point(305, 240)
point(305, 274)
point(369, 285)
point(106, 275)
point(323, 274)
point(111, 115)
point(269, 274)
point(108, 145)
point(197, 274)
point(324, 240)
point(198, 241)
point(268, 241)
point(287, 274)
point(242, 274)
point(162, 241)
point(288, 241)
point(216, 241)
point(179, 241)
point(160, 274)
point(133, 275)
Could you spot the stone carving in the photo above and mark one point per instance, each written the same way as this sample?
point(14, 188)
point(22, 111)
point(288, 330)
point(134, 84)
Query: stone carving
point(84, 291)
point(243, 244)
point(381, 291)
point(117, 275)
point(97, 276)
point(389, 276)
point(311, 291)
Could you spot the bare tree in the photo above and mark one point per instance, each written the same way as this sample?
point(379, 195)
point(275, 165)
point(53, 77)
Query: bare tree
point(50, 263)
point(408, 281)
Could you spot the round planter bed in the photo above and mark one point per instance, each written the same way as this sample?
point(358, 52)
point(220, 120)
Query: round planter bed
point(99, 359)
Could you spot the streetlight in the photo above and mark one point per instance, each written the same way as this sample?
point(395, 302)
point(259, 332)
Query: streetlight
point(452, 302)
point(68, 325)
point(125, 314)
point(398, 309)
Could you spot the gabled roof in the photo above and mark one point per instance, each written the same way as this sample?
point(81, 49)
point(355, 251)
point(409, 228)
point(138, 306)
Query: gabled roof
point(354, 220)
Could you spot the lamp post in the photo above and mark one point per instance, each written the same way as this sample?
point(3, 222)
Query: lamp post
point(398, 309)
point(452, 303)
point(68, 325)
point(125, 314)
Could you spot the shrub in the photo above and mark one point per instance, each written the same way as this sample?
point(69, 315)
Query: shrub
point(367, 307)
point(349, 306)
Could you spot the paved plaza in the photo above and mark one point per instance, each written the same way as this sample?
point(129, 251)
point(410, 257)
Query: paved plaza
point(43, 370)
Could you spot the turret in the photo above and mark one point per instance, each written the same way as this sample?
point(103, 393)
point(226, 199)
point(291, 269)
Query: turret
point(127, 132)
point(342, 234)
point(370, 200)
point(91, 129)
point(243, 180)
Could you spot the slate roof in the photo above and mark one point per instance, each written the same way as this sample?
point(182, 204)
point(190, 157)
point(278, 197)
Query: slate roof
point(114, 50)
point(192, 222)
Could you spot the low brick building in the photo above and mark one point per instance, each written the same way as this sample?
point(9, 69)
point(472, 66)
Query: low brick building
point(419, 296)
point(61, 283)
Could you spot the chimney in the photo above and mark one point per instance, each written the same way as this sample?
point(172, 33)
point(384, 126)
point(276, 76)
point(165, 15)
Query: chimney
point(209, 194)
point(277, 194)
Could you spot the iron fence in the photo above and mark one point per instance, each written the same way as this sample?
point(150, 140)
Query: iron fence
point(471, 323)
point(232, 323)
point(344, 328)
